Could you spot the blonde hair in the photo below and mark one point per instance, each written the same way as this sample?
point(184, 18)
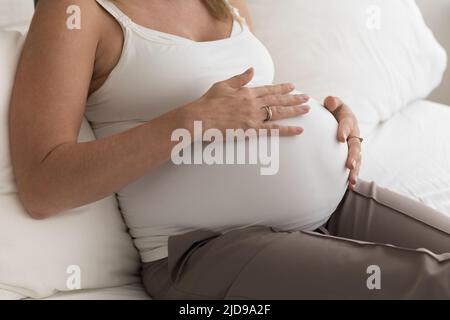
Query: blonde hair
point(219, 9)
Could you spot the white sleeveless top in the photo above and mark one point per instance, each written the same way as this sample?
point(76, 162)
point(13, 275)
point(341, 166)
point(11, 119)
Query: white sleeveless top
point(158, 72)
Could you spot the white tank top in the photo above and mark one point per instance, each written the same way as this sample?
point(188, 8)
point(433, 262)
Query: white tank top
point(158, 72)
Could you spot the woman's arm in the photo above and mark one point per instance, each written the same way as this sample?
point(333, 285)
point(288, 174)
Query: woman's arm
point(53, 171)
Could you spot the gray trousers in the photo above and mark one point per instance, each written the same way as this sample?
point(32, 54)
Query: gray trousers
point(380, 246)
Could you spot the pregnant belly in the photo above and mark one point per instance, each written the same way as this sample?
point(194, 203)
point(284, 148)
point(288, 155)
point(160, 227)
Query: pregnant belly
point(307, 188)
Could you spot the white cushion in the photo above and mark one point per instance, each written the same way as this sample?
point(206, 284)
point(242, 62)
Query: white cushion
point(35, 256)
point(377, 55)
point(15, 14)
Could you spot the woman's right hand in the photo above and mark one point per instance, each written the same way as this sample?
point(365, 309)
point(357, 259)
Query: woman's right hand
point(231, 105)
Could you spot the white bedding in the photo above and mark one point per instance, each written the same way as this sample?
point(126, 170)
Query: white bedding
point(15, 14)
point(410, 154)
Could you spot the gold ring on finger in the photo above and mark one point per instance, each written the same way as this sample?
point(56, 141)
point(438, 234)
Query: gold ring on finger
point(269, 113)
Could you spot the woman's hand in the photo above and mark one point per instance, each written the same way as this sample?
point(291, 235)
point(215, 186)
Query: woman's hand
point(231, 105)
point(348, 132)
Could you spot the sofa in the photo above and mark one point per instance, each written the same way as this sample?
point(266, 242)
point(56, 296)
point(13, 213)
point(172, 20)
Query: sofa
point(88, 254)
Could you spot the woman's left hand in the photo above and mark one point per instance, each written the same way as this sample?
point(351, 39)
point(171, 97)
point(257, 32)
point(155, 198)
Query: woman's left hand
point(348, 132)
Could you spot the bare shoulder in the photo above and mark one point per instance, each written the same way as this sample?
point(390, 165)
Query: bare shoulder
point(56, 65)
point(65, 22)
point(58, 13)
point(79, 31)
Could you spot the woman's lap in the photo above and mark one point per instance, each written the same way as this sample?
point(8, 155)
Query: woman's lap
point(259, 263)
point(378, 215)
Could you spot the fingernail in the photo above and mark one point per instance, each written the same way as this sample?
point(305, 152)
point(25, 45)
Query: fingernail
point(291, 86)
point(249, 70)
point(306, 108)
point(301, 96)
point(354, 164)
point(298, 130)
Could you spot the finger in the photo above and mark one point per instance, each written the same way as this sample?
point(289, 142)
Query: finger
point(354, 155)
point(279, 113)
point(332, 103)
point(240, 80)
point(283, 131)
point(278, 89)
point(344, 130)
point(353, 179)
point(287, 100)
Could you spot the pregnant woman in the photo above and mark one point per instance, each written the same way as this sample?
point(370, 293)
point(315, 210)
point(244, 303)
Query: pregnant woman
point(139, 70)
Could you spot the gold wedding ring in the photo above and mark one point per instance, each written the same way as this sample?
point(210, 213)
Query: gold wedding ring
point(361, 140)
point(269, 113)
point(336, 111)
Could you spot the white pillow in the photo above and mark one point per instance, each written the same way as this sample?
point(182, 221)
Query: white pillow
point(379, 56)
point(15, 14)
point(36, 256)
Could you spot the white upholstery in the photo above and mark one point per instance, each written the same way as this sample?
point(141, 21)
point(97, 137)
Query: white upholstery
point(377, 57)
point(15, 14)
point(437, 15)
point(419, 169)
point(38, 258)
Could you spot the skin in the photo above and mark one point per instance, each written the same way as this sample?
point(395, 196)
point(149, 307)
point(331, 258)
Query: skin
point(60, 68)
